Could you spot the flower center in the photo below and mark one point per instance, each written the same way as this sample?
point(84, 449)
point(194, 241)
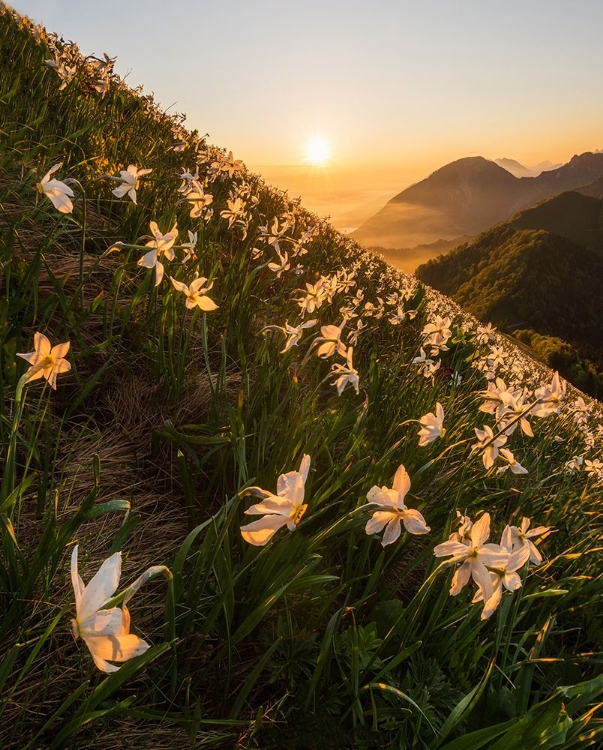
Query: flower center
point(297, 513)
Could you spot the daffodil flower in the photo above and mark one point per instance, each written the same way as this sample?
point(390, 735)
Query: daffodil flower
point(65, 72)
point(393, 510)
point(510, 463)
point(196, 294)
point(198, 199)
point(428, 366)
point(106, 632)
point(229, 165)
point(162, 244)
point(346, 374)
point(331, 338)
point(315, 295)
point(58, 192)
point(432, 426)
point(293, 333)
point(438, 332)
point(503, 578)
point(489, 444)
point(550, 397)
point(46, 361)
point(280, 268)
point(189, 247)
point(520, 538)
point(286, 508)
point(475, 558)
point(129, 182)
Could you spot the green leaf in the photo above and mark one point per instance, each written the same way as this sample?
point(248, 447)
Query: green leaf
point(464, 707)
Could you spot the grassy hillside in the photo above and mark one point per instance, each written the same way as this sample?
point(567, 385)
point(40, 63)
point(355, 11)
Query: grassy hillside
point(226, 345)
point(530, 274)
point(577, 217)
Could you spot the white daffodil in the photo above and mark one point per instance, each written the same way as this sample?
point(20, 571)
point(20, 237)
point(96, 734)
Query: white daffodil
point(496, 357)
point(65, 72)
point(428, 366)
point(353, 335)
point(594, 467)
point(286, 508)
point(513, 412)
point(106, 632)
point(190, 246)
point(129, 182)
point(493, 401)
point(293, 333)
point(489, 444)
point(315, 295)
point(196, 294)
point(437, 333)
point(162, 244)
point(550, 397)
point(432, 426)
point(330, 336)
point(47, 361)
point(229, 165)
point(346, 374)
point(199, 200)
point(58, 192)
point(235, 211)
point(503, 578)
point(475, 558)
point(520, 538)
point(394, 512)
point(510, 463)
point(283, 266)
point(485, 334)
point(575, 463)
point(188, 180)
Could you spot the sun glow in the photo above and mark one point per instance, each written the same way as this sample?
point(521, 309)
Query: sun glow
point(318, 151)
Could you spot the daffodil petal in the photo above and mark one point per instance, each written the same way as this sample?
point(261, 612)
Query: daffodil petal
point(115, 647)
point(260, 532)
point(392, 531)
point(414, 522)
point(101, 587)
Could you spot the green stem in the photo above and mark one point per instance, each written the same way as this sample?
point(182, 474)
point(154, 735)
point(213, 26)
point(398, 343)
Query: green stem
point(8, 480)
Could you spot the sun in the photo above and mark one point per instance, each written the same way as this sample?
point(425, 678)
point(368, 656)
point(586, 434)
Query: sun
point(318, 151)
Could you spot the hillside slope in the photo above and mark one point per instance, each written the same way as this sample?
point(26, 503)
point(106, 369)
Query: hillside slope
point(305, 466)
point(541, 271)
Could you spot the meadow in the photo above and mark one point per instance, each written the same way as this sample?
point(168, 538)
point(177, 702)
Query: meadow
point(348, 515)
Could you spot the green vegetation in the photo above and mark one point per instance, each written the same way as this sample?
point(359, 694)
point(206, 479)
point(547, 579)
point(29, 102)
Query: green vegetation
point(561, 356)
point(577, 217)
point(535, 279)
point(174, 416)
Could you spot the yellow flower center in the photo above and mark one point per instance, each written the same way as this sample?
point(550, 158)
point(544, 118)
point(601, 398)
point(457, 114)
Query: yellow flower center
point(297, 513)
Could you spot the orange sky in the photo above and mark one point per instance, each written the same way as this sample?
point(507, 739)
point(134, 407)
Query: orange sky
point(398, 87)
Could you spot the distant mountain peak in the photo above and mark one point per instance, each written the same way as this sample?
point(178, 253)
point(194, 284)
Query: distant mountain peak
point(468, 196)
point(515, 168)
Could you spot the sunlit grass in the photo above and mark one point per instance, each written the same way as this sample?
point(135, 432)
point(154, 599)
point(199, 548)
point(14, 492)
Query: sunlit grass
point(235, 361)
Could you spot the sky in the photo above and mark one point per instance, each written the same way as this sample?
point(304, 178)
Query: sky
point(397, 88)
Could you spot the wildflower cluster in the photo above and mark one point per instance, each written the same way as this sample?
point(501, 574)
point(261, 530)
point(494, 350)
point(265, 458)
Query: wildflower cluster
point(492, 566)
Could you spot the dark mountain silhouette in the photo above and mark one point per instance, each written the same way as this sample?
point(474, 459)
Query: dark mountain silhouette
point(467, 197)
point(594, 188)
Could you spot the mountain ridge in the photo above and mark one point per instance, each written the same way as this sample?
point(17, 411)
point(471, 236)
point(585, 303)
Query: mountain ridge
point(467, 197)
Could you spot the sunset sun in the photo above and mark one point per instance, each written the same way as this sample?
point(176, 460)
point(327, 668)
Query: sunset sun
point(318, 151)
